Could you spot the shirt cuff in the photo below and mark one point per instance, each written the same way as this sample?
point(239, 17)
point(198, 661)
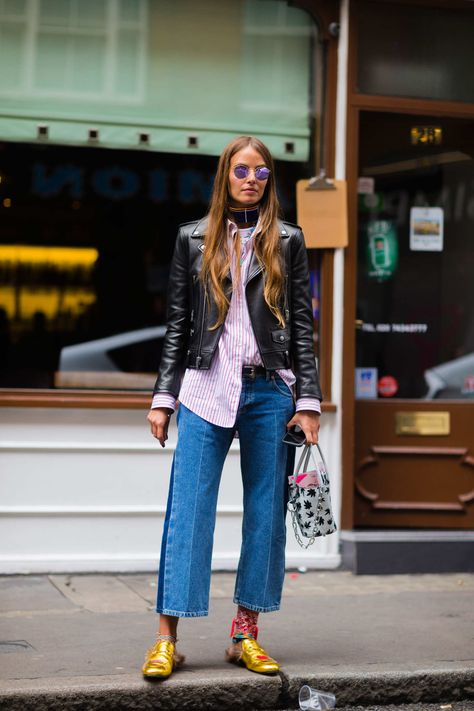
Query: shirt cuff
point(308, 403)
point(164, 400)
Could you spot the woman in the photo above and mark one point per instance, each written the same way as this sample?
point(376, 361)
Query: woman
point(240, 328)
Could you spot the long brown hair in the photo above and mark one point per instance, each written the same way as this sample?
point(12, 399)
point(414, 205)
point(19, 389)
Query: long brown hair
point(216, 258)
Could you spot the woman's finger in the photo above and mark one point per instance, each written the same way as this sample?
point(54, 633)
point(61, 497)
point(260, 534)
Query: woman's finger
point(160, 438)
point(312, 435)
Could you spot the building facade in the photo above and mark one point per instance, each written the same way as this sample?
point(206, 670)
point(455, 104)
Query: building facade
point(112, 116)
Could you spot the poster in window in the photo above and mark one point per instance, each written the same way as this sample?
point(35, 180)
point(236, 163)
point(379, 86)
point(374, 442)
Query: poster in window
point(366, 383)
point(426, 229)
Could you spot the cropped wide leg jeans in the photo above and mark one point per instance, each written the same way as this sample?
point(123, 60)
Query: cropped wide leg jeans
point(266, 405)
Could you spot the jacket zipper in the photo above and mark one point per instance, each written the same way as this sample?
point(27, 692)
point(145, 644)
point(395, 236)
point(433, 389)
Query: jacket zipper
point(199, 357)
point(287, 315)
point(192, 305)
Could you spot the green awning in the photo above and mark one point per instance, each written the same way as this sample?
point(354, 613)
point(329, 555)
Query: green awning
point(188, 76)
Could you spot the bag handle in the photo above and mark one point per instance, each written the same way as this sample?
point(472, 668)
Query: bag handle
point(305, 456)
point(323, 460)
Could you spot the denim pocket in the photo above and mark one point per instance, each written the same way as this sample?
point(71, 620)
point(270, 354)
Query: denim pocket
point(281, 387)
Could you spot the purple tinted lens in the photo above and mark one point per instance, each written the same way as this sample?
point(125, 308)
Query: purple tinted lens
point(262, 173)
point(241, 171)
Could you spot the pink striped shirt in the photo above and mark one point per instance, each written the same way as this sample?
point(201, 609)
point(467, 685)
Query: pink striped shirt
point(214, 394)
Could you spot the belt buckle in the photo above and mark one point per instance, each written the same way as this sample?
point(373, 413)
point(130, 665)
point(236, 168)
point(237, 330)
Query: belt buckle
point(250, 371)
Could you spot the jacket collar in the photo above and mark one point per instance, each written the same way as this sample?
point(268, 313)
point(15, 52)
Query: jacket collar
point(200, 229)
point(254, 266)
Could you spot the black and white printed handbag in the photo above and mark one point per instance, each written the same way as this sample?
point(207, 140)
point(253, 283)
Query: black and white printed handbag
point(309, 498)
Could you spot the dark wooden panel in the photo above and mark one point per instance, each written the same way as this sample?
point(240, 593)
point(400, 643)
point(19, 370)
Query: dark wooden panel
point(411, 480)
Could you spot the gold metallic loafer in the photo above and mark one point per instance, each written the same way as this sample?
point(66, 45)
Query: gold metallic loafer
point(161, 660)
point(252, 656)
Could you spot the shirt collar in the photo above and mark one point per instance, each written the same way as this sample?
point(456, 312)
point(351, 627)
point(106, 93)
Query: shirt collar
point(232, 229)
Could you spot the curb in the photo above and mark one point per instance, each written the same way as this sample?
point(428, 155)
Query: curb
point(265, 693)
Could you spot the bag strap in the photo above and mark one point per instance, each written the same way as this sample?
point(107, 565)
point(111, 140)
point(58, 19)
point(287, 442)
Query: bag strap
point(296, 530)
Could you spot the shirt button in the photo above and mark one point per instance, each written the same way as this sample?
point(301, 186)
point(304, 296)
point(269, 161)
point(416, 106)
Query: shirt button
point(282, 338)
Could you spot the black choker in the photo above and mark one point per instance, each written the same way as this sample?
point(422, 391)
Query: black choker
point(246, 215)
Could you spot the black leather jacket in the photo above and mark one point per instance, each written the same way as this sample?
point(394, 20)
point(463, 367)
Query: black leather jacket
point(188, 342)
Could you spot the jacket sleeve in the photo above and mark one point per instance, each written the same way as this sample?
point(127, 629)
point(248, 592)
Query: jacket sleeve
point(178, 321)
point(301, 320)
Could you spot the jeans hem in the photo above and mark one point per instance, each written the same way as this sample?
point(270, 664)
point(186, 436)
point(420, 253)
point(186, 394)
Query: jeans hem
point(180, 613)
point(256, 608)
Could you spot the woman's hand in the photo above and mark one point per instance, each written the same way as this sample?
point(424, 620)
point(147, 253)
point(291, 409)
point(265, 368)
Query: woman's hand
point(159, 419)
point(308, 420)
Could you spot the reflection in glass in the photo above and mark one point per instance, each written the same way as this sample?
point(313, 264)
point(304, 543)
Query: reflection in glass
point(84, 256)
point(415, 294)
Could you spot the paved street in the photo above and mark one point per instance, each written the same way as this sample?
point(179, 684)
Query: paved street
point(455, 706)
point(368, 639)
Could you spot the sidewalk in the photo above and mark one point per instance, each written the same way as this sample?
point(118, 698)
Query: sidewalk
point(79, 641)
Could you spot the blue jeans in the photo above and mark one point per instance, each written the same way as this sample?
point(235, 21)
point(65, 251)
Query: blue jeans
point(185, 564)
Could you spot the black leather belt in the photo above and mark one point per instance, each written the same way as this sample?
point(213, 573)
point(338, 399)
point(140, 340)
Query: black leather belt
point(251, 371)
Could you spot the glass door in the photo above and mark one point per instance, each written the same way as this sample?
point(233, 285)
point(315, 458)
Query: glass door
point(414, 375)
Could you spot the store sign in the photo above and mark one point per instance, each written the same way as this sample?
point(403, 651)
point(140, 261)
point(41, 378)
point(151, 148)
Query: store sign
point(426, 135)
point(382, 249)
point(120, 183)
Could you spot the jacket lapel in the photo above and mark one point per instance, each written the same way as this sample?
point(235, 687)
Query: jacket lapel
point(200, 229)
point(255, 267)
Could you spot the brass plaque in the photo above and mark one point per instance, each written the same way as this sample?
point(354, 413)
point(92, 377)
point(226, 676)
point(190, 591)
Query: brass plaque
point(422, 423)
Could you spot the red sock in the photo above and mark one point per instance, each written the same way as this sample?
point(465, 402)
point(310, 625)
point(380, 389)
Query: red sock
point(246, 622)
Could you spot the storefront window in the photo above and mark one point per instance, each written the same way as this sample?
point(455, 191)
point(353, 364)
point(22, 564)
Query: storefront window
point(87, 232)
point(409, 50)
point(85, 245)
point(415, 295)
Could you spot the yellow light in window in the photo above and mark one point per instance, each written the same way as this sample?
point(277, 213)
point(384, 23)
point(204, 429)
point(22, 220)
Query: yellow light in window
point(65, 257)
point(23, 303)
point(426, 135)
point(7, 300)
point(7, 202)
point(53, 302)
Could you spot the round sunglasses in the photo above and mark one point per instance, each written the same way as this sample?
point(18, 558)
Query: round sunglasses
point(242, 171)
